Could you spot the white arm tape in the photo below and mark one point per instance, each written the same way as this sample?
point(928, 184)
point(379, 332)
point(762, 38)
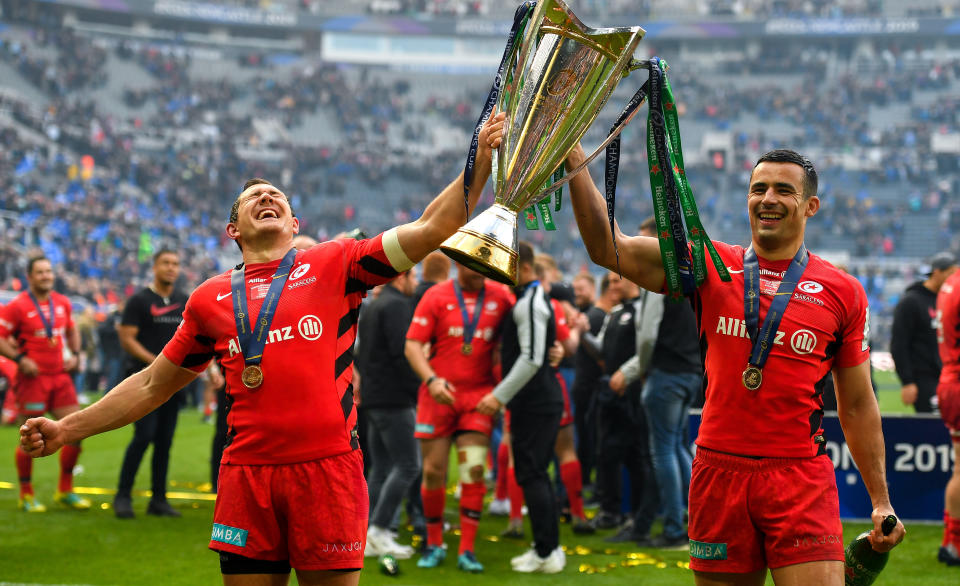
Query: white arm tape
point(395, 254)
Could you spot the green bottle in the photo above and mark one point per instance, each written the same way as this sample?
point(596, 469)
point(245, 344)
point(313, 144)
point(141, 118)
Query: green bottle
point(863, 563)
point(389, 565)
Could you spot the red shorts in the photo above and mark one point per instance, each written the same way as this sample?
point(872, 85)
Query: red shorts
point(435, 420)
point(312, 514)
point(43, 393)
point(747, 515)
point(948, 397)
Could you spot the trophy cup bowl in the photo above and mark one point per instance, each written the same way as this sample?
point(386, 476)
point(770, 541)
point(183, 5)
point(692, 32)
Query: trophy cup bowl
point(557, 81)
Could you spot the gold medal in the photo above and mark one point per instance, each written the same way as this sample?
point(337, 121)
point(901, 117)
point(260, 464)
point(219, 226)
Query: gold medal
point(52, 342)
point(752, 377)
point(466, 349)
point(252, 376)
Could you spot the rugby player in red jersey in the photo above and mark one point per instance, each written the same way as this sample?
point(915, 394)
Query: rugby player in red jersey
point(460, 319)
point(41, 322)
point(291, 490)
point(948, 396)
point(767, 428)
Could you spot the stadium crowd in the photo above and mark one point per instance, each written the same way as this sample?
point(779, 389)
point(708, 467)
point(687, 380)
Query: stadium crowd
point(188, 135)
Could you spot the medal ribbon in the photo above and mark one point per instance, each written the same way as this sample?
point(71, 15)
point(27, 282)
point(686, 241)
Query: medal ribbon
point(47, 323)
point(519, 23)
point(469, 325)
point(253, 338)
point(763, 339)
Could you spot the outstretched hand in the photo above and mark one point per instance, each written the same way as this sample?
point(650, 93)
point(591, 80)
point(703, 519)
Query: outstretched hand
point(40, 436)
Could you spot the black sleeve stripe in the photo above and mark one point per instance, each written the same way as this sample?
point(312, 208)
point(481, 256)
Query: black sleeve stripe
point(533, 331)
point(346, 401)
point(378, 268)
point(355, 285)
point(348, 320)
point(192, 360)
point(205, 340)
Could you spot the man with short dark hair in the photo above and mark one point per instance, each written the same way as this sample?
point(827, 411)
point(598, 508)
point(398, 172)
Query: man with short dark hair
point(668, 363)
point(389, 406)
point(532, 393)
point(913, 338)
point(150, 318)
point(460, 319)
point(761, 475)
point(291, 491)
point(587, 366)
point(41, 321)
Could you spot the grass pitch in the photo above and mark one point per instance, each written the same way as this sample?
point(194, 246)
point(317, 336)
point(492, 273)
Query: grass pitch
point(93, 547)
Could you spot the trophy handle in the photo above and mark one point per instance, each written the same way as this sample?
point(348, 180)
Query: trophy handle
point(613, 134)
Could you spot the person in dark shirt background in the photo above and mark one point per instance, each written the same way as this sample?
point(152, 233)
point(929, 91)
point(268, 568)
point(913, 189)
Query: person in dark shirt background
point(435, 268)
point(389, 402)
point(913, 339)
point(150, 319)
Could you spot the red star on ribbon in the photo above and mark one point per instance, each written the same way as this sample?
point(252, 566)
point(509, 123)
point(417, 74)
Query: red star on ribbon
point(668, 105)
point(694, 231)
point(665, 234)
point(676, 168)
point(655, 169)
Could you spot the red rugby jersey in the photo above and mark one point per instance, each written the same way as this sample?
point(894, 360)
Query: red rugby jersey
point(560, 318)
point(304, 409)
point(824, 326)
point(20, 319)
point(438, 321)
point(948, 328)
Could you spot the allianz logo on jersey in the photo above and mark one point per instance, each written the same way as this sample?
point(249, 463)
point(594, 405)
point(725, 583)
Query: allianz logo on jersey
point(309, 328)
point(801, 341)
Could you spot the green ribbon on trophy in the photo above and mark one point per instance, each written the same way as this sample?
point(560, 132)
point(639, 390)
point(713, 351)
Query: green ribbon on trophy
point(530, 214)
point(673, 201)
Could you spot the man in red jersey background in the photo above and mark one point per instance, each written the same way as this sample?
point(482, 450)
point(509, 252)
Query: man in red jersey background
point(41, 322)
point(460, 319)
point(763, 493)
point(291, 491)
point(948, 396)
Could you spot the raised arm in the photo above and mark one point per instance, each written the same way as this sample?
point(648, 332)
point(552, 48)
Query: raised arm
point(639, 255)
point(445, 213)
point(130, 400)
point(860, 420)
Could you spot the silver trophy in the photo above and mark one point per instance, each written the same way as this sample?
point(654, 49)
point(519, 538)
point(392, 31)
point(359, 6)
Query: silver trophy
point(556, 82)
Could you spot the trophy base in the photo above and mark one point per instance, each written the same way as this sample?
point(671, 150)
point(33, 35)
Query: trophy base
point(481, 246)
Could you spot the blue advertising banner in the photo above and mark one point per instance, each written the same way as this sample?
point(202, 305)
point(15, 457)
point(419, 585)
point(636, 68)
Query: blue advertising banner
point(919, 463)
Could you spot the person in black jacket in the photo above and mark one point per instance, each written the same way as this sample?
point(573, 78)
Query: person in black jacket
point(913, 341)
point(532, 393)
point(588, 368)
point(389, 402)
